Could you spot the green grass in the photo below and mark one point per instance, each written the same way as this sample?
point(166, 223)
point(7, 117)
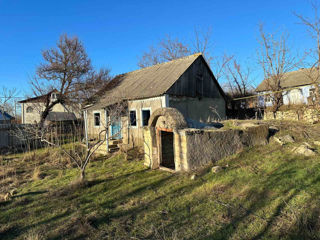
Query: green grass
point(265, 193)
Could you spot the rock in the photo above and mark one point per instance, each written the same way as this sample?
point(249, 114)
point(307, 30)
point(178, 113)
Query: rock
point(5, 197)
point(216, 169)
point(273, 129)
point(284, 139)
point(13, 192)
point(305, 150)
point(193, 177)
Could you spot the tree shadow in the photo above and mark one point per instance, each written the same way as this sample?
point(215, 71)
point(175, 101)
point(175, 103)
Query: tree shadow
point(29, 194)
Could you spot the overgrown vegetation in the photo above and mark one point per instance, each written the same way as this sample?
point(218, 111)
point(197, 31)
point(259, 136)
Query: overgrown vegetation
point(265, 192)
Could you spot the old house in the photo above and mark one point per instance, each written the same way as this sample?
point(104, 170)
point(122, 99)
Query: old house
point(186, 84)
point(297, 88)
point(32, 108)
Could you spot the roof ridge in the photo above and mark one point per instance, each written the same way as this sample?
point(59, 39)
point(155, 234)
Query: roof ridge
point(163, 63)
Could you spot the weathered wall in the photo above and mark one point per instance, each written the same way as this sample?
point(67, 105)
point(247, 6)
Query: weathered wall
point(179, 146)
point(200, 109)
point(194, 148)
point(302, 114)
point(208, 146)
point(135, 133)
point(93, 130)
point(197, 81)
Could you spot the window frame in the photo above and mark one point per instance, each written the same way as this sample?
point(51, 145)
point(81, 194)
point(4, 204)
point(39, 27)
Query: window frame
point(28, 111)
point(141, 115)
point(268, 98)
point(133, 110)
point(94, 119)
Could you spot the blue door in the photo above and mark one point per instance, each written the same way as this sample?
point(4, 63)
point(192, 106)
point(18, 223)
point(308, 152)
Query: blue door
point(116, 129)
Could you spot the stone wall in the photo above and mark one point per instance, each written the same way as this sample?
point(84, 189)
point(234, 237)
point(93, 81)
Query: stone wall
point(208, 146)
point(194, 148)
point(301, 114)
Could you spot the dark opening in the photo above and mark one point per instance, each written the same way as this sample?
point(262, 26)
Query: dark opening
point(97, 119)
point(167, 153)
point(145, 117)
point(133, 118)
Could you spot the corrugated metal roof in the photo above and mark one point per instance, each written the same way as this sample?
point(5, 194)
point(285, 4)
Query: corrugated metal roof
point(143, 83)
point(297, 78)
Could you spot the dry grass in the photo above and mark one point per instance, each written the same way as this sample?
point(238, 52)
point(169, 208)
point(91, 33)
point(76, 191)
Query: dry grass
point(264, 193)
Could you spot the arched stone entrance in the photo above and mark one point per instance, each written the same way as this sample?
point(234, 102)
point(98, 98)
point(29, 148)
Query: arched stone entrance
point(163, 127)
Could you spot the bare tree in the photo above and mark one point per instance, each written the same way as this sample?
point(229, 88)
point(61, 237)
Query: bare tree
point(312, 72)
point(202, 43)
point(170, 48)
point(275, 60)
point(67, 70)
point(239, 82)
point(7, 97)
point(91, 84)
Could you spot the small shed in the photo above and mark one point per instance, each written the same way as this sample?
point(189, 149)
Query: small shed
point(170, 144)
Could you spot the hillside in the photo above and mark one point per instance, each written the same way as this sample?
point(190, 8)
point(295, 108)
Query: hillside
point(265, 192)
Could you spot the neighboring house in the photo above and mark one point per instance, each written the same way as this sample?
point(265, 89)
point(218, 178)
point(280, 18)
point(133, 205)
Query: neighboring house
point(5, 118)
point(297, 87)
point(32, 108)
point(186, 84)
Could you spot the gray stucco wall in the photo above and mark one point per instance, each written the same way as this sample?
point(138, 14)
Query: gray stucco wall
point(208, 146)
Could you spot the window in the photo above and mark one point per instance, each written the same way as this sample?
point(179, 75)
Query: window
point(133, 118)
point(268, 98)
point(29, 109)
point(96, 119)
point(53, 96)
point(312, 92)
point(145, 115)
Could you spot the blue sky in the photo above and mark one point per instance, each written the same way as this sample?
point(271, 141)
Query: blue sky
point(115, 33)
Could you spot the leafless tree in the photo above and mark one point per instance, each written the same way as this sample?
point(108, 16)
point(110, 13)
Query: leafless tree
point(313, 69)
point(239, 82)
point(275, 60)
point(170, 48)
point(7, 97)
point(91, 84)
point(202, 43)
point(55, 135)
point(68, 70)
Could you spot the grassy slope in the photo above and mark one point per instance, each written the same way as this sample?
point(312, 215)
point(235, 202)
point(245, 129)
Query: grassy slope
point(265, 193)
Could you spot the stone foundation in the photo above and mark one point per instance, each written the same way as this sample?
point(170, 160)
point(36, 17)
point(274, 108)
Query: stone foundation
point(302, 114)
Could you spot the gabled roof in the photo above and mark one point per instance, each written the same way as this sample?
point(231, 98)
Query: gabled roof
point(297, 78)
point(144, 83)
point(4, 116)
point(41, 98)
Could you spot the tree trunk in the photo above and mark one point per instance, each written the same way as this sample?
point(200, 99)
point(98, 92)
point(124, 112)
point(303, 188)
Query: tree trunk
point(83, 175)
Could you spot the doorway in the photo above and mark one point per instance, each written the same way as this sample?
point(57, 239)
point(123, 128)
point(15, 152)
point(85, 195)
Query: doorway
point(116, 129)
point(166, 149)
